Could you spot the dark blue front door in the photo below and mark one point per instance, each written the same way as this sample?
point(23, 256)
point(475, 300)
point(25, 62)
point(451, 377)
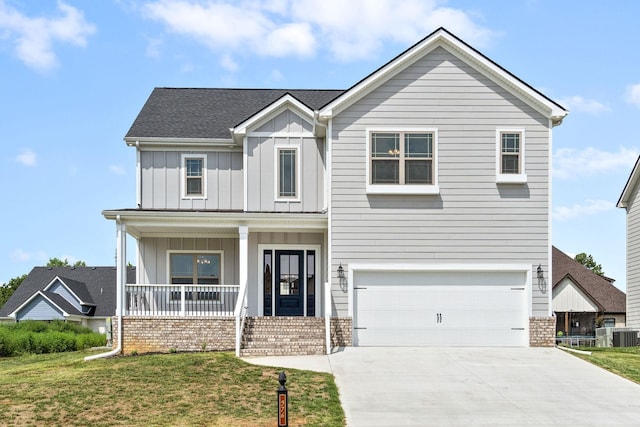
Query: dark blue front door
point(289, 283)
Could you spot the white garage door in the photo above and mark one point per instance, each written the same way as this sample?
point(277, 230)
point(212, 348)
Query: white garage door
point(418, 308)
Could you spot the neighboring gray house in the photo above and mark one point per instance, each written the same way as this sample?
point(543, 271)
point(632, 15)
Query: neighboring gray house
point(411, 209)
point(584, 300)
point(629, 201)
point(86, 295)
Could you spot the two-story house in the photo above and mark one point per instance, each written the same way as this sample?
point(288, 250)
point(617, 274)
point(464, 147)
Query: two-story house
point(412, 209)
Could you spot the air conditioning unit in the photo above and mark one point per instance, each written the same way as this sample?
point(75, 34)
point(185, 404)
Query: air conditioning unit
point(625, 338)
point(604, 336)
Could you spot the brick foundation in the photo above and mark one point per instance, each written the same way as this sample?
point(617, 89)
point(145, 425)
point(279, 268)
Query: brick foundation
point(341, 328)
point(164, 334)
point(542, 331)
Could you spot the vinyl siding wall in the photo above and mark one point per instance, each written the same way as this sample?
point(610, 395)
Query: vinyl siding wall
point(39, 309)
point(262, 165)
point(633, 261)
point(161, 175)
point(58, 288)
point(472, 219)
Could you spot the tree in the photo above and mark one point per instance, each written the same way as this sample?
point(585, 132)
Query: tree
point(588, 261)
point(57, 262)
point(8, 289)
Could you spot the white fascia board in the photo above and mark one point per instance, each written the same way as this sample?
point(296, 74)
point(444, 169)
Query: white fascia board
point(441, 38)
point(14, 313)
point(182, 143)
point(632, 183)
point(284, 102)
point(68, 289)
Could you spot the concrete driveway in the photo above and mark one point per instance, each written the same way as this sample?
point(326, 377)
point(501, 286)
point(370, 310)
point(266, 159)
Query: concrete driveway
point(472, 387)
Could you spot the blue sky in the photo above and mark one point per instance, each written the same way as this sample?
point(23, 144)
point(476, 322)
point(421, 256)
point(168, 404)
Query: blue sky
point(76, 73)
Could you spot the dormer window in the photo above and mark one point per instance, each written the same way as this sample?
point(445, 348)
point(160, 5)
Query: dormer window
point(193, 176)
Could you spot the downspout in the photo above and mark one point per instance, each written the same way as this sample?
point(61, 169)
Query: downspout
point(119, 286)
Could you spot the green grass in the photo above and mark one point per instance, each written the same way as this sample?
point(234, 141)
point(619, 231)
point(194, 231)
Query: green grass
point(624, 361)
point(213, 389)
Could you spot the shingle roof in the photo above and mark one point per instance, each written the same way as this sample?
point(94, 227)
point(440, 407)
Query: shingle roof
point(78, 288)
point(607, 297)
point(209, 113)
point(100, 283)
point(62, 303)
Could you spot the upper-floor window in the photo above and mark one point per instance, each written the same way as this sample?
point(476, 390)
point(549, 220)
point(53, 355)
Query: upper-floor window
point(510, 162)
point(402, 162)
point(287, 173)
point(193, 176)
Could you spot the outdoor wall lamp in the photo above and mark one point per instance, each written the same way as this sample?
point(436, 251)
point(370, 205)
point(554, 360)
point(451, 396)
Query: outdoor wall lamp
point(341, 278)
point(541, 282)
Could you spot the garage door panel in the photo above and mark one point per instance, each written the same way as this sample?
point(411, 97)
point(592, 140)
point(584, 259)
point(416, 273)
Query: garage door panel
point(425, 314)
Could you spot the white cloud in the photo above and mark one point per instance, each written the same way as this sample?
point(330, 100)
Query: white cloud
point(633, 94)
point(582, 105)
point(592, 207)
point(20, 255)
point(275, 76)
point(27, 157)
point(34, 38)
point(118, 170)
point(228, 63)
point(572, 163)
point(349, 30)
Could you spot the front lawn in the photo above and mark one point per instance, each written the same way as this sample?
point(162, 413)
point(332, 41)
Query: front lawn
point(213, 389)
point(624, 361)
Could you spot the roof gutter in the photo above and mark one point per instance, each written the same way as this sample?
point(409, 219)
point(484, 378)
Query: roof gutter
point(118, 348)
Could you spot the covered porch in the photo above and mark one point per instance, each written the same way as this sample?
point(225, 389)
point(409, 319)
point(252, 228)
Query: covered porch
point(206, 265)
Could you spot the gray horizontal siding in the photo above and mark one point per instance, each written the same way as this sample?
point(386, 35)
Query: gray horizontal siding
point(472, 219)
point(58, 288)
point(161, 181)
point(633, 261)
point(39, 309)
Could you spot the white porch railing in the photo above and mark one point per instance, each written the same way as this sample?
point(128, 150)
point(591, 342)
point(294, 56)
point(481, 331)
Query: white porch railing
point(180, 300)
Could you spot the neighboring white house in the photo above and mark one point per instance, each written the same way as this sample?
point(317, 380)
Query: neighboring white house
point(629, 201)
point(410, 209)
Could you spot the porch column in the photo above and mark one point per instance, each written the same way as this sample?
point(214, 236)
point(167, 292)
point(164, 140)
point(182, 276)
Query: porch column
point(121, 268)
point(243, 259)
point(243, 231)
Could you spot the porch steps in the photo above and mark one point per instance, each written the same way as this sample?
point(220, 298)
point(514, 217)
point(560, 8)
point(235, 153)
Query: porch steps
point(283, 336)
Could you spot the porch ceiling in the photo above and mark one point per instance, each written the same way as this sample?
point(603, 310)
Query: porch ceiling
point(147, 223)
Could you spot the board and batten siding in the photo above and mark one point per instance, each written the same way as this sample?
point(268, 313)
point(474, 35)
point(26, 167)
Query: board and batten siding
point(152, 256)
point(568, 297)
point(161, 181)
point(473, 219)
point(633, 260)
point(262, 163)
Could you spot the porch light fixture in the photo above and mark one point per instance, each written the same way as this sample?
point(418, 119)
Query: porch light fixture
point(541, 282)
point(340, 272)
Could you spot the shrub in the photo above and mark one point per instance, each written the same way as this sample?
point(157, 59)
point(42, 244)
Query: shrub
point(42, 337)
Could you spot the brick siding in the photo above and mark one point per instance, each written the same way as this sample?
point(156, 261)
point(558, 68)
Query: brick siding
point(542, 331)
point(341, 332)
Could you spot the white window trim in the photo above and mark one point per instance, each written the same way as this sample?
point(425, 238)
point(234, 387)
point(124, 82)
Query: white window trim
point(183, 176)
point(430, 189)
point(510, 178)
point(276, 171)
point(195, 252)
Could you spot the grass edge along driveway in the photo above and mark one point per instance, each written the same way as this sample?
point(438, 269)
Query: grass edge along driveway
point(183, 389)
point(622, 361)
